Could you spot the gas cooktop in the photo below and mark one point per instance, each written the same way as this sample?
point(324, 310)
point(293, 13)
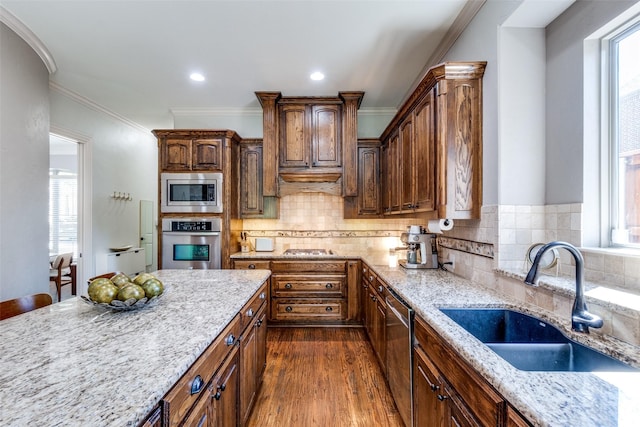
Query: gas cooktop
point(307, 252)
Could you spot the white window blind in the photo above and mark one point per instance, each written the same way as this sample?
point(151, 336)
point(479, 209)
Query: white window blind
point(63, 212)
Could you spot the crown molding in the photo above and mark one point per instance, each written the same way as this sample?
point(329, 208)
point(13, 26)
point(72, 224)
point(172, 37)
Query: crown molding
point(377, 111)
point(461, 22)
point(94, 106)
point(187, 111)
point(18, 27)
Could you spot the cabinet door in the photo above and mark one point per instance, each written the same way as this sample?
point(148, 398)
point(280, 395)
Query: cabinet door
point(424, 151)
point(406, 166)
point(368, 181)
point(394, 174)
point(261, 344)
point(225, 393)
point(248, 357)
point(385, 195)
point(207, 154)
point(200, 415)
point(514, 419)
point(251, 200)
point(176, 154)
point(458, 414)
point(326, 150)
point(381, 332)
point(294, 144)
point(428, 410)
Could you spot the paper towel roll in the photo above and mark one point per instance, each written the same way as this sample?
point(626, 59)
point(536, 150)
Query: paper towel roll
point(440, 225)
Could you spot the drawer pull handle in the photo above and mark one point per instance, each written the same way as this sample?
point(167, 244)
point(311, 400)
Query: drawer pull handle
point(259, 323)
point(329, 309)
point(442, 398)
point(371, 278)
point(434, 387)
point(289, 309)
point(217, 396)
point(230, 340)
point(263, 295)
point(380, 289)
point(250, 313)
point(329, 286)
point(197, 384)
point(288, 286)
point(252, 266)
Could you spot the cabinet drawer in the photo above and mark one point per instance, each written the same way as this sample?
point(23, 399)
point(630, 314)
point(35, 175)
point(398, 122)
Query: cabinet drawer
point(309, 266)
point(250, 309)
point(308, 309)
point(251, 265)
point(194, 383)
point(308, 286)
point(485, 402)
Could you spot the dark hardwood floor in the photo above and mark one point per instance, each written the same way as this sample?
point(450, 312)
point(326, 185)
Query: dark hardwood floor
point(322, 377)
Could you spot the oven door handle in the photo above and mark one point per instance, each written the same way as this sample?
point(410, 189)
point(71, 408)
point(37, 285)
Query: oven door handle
point(191, 233)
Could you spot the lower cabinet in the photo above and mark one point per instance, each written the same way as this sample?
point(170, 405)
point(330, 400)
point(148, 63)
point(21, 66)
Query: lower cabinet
point(253, 351)
point(449, 392)
point(374, 313)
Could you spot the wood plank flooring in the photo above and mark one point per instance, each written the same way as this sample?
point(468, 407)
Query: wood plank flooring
point(322, 377)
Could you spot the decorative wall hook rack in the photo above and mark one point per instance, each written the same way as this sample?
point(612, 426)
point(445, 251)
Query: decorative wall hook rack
point(120, 195)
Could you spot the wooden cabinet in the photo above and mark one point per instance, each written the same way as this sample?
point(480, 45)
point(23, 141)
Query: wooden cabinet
point(189, 398)
point(367, 203)
point(251, 200)
point(225, 391)
point(514, 419)
point(253, 346)
point(448, 392)
point(306, 138)
point(375, 313)
point(184, 154)
point(433, 152)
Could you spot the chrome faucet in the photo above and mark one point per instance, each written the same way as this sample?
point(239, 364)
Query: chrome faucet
point(581, 319)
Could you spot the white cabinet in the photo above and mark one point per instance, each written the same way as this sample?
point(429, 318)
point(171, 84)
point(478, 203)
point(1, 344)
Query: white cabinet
point(131, 262)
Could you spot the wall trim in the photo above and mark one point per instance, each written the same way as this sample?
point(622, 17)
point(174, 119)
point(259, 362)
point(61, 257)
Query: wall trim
point(468, 246)
point(18, 27)
point(95, 106)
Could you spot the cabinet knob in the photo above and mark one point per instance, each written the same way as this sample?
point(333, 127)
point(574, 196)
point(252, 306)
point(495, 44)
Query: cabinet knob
point(263, 295)
point(442, 397)
point(250, 313)
point(371, 278)
point(329, 309)
point(329, 286)
point(288, 286)
point(434, 387)
point(197, 384)
point(289, 309)
point(230, 340)
point(373, 298)
point(380, 289)
point(252, 266)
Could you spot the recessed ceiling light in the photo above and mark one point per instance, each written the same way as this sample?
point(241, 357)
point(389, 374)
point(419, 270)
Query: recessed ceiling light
point(197, 77)
point(317, 76)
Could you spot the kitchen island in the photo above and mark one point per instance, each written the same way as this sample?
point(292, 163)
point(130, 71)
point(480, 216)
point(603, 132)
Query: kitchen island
point(73, 364)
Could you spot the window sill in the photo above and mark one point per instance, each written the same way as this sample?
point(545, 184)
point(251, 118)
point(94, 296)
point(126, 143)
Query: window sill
point(597, 293)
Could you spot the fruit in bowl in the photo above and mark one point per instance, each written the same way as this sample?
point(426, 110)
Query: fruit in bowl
point(118, 291)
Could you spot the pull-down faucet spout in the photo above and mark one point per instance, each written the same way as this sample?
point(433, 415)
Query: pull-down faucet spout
point(581, 319)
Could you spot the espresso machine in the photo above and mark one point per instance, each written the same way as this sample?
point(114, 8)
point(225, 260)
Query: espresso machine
point(421, 248)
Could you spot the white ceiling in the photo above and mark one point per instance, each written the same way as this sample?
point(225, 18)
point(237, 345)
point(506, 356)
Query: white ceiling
point(134, 57)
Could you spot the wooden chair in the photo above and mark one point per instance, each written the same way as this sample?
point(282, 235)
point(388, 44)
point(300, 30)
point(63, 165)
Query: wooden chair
point(61, 273)
point(24, 304)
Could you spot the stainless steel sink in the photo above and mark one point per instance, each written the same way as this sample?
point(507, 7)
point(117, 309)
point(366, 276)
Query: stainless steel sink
point(531, 344)
point(308, 252)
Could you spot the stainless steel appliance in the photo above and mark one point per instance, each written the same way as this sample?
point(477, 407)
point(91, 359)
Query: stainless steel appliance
point(191, 243)
point(422, 251)
point(399, 354)
point(191, 192)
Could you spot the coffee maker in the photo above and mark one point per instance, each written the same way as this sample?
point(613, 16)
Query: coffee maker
point(421, 248)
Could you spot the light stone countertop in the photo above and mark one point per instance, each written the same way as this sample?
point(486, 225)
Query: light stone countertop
point(545, 398)
point(72, 364)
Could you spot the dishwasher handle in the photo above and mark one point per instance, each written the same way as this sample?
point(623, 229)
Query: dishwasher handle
point(404, 319)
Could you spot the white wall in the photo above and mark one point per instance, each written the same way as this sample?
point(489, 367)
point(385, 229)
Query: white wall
point(124, 157)
point(24, 169)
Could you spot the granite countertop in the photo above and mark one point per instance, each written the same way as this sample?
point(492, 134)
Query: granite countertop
point(73, 364)
point(545, 398)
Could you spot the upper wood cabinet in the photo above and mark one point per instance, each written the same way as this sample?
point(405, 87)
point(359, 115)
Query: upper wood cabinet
point(180, 154)
point(433, 146)
point(309, 139)
point(251, 200)
point(368, 203)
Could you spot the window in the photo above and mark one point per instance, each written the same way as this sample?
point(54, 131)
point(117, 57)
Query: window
point(63, 208)
point(624, 134)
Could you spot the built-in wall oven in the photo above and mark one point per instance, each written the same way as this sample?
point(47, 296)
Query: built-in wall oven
point(191, 243)
point(191, 192)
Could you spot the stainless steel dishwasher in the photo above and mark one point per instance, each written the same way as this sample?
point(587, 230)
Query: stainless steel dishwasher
point(399, 354)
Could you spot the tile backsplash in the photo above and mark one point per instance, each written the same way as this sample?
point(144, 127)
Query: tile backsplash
point(315, 221)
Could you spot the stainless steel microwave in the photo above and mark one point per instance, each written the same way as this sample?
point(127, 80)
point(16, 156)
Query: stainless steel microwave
point(191, 192)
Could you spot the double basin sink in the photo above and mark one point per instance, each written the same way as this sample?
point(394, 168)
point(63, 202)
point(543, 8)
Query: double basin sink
point(530, 344)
